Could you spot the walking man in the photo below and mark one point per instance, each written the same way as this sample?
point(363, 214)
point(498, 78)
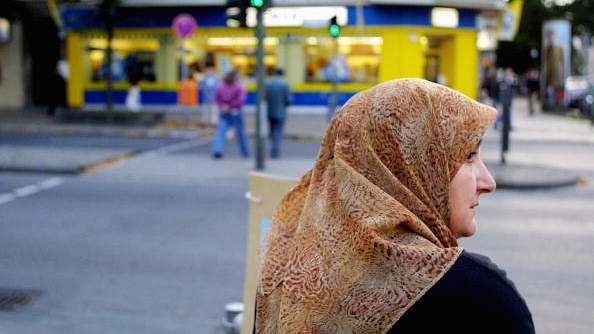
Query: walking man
point(278, 98)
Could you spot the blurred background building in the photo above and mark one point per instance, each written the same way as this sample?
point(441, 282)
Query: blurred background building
point(447, 41)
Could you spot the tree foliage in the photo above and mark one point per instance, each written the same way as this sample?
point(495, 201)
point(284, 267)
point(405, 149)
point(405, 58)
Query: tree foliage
point(518, 53)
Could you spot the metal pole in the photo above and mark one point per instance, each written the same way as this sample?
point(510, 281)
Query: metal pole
point(260, 95)
point(505, 132)
point(505, 96)
point(183, 73)
point(334, 97)
point(109, 82)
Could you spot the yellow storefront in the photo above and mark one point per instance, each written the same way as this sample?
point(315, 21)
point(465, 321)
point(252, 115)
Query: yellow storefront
point(366, 55)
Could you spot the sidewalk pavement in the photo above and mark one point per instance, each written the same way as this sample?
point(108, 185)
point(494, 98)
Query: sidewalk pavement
point(305, 123)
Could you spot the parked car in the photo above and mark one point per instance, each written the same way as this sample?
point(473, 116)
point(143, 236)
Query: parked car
point(578, 90)
point(587, 108)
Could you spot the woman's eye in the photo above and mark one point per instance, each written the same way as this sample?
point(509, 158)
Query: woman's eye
point(470, 157)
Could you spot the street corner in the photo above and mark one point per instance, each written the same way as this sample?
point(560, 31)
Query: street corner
point(58, 160)
point(532, 177)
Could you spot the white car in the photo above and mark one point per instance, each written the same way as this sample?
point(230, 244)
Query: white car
point(577, 90)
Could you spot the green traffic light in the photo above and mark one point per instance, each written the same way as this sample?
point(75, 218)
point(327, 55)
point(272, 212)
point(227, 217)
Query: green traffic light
point(257, 3)
point(334, 27)
point(334, 30)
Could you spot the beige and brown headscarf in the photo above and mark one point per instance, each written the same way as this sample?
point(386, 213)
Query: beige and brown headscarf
point(364, 233)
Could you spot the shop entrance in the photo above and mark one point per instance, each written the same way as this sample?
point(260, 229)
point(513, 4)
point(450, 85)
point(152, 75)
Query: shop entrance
point(438, 58)
point(432, 68)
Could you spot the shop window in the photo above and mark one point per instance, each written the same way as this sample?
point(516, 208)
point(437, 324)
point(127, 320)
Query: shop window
point(240, 52)
point(132, 60)
point(140, 65)
point(352, 59)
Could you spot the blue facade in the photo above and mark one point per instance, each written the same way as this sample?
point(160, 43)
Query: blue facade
point(159, 17)
point(152, 97)
point(119, 97)
point(151, 17)
point(406, 15)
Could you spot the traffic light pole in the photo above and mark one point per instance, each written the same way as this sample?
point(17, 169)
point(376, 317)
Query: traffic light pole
point(334, 30)
point(334, 98)
point(259, 123)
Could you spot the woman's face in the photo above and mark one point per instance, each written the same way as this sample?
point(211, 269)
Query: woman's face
point(471, 180)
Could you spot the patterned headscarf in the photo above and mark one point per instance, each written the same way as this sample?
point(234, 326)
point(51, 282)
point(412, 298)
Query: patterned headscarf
point(363, 235)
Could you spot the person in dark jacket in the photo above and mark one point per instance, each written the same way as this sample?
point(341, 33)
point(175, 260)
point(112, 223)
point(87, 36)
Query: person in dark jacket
point(532, 88)
point(278, 98)
point(367, 240)
point(57, 92)
point(506, 88)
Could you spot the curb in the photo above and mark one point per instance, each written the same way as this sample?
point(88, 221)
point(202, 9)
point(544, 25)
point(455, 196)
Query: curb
point(76, 162)
point(510, 176)
point(524, 177)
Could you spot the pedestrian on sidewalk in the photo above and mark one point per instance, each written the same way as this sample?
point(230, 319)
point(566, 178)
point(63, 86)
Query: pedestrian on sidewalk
point(506, 88)
point(366, 241)
point(57, 92)
point(491, 85)
point(208, 85)
point(230, 98)
point(187, 92)
point(532, 89)
point(133, 96)
point(278, 98)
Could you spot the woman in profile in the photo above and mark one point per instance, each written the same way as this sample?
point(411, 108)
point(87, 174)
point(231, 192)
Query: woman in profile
point(366, 242)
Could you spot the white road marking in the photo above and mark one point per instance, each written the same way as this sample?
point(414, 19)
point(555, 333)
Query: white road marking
point(50, 183)
point(177, 147)
point(29, 190)
point(6, 197)
point(26, 190)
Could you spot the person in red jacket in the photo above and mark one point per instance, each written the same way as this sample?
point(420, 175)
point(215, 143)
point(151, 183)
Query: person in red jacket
point(230, 97)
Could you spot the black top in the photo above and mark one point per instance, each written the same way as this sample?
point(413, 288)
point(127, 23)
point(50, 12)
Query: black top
point(474, 296)
point(533, 85)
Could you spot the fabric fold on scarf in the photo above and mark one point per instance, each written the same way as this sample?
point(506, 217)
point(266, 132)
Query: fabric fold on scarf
point(363, 235)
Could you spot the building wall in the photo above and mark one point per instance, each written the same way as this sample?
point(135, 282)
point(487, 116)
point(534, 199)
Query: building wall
point(12, 66)
point(408, 39)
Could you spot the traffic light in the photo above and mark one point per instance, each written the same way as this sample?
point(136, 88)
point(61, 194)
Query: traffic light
point(260, 4)
point(236, 13)
point(257, 3)
point(334, 28)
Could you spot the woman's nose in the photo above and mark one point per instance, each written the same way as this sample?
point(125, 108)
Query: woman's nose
point(485, 182)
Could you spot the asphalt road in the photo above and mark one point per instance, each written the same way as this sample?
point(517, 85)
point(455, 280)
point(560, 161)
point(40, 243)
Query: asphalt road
point(155, 242)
